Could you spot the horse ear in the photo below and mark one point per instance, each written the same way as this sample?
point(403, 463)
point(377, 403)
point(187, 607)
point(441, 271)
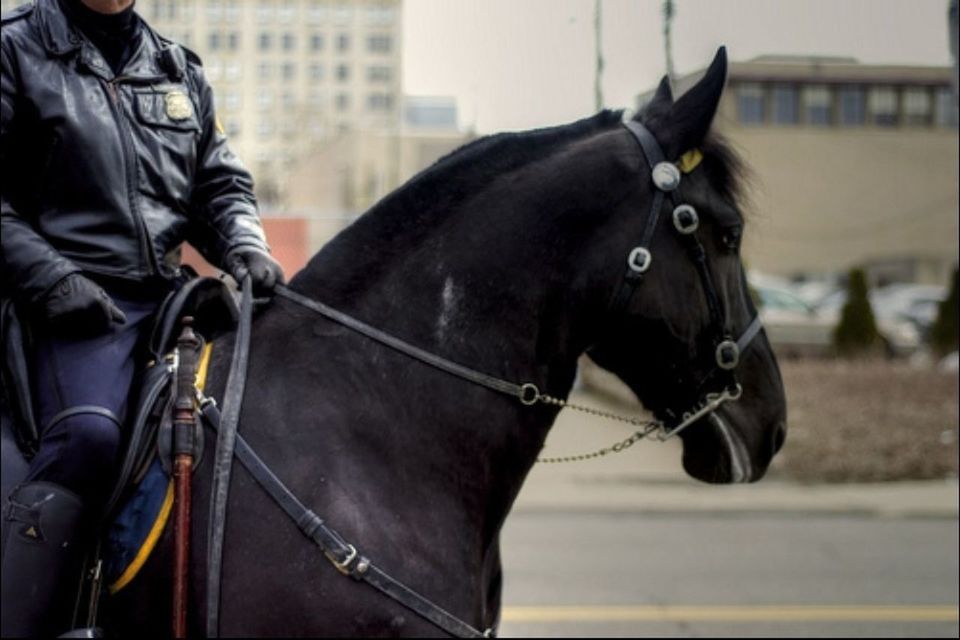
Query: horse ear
point(692, 113)
point(660, 104)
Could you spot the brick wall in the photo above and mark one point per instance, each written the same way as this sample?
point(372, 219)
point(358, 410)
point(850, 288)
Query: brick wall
point(288, 239)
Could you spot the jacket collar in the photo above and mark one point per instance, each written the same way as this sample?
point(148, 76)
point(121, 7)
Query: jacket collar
point(61, 38)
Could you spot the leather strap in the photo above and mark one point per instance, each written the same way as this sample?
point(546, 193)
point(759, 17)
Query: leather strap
point(83, 409)
point(223, 459)
point(490, 382)
point(343, 555)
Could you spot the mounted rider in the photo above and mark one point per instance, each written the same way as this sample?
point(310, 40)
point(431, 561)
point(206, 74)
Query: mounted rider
point(112, 157)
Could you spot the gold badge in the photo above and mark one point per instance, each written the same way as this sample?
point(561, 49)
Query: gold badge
point(178, 105)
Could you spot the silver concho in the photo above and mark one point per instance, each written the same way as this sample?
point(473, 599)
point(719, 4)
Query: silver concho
point(639, 259)
point(666, 176)
point(685, 219)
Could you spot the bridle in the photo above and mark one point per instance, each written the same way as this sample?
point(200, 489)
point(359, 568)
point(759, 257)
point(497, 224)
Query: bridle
point(665, 177)
point(343, 555)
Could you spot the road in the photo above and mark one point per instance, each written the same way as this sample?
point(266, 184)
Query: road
point(601, 573)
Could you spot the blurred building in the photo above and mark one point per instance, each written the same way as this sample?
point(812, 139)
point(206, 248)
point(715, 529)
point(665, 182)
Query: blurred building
point(852, 164)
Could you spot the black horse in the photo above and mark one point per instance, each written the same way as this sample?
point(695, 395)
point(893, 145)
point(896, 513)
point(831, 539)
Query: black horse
point(503, 256)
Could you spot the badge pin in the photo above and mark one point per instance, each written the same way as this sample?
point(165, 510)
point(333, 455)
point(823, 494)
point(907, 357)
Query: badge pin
point(178, 105)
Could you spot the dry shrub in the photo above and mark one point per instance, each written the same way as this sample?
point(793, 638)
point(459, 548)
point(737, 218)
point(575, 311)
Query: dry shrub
point(868, 421)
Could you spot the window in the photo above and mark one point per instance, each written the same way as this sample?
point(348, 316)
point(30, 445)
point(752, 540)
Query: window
point(343, 101)
point(816, 105)
point(265, 128)
point(316, 12)
point(231, 101)
point(380, 43)
point(287, 11)
point(343, 72)
point(751, 104)
point(289, 71)
point(316, 72)
point(264, 100)
point(380, 102)
point(289, 42)
point(316, 42)
point(315, 99)
point(231, 11)
point(882, 103)
point(379, 16)
point(379, 74)
point(265, 40)
point(316, 128)
point(946, 108)
point(852, 105)
point(214, 11)
point(265, 70)
point(213, 41)
point(233, 41)
point(784, 99)
point(288, 100)
point(343, 42)
point(234, 71)
point(342, 14)
point(232, 128)
point(917, 106)
point(264, 11)
point(213, 70)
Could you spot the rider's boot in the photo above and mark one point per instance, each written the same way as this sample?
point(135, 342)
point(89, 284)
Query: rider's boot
point(42, 558)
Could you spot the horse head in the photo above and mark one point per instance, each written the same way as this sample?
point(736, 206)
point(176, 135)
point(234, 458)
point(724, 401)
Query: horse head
point(690, 300)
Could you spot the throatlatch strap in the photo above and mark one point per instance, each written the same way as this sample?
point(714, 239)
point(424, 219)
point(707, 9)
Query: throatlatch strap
point(223, 460)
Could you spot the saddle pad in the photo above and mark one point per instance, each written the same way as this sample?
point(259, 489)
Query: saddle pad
point(137, 528)
point(135, 531)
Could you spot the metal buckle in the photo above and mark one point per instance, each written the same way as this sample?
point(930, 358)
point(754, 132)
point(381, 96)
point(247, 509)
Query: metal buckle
point(344, 566)
point(639, 259)
point(727, 348)
point(692, 219)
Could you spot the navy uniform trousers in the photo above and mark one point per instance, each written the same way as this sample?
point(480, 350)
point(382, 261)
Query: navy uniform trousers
point(81, 388)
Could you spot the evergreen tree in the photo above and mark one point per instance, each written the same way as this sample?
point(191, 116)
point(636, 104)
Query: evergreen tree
point(944, 334)
point(856, 333)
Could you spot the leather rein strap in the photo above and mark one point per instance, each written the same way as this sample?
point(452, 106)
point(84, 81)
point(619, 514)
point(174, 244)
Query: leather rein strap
point(223, 459)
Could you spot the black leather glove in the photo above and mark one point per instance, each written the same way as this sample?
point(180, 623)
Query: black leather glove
point(78, 307)
point(263, 269)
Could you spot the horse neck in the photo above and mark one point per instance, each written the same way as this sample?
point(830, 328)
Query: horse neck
point(498, 284)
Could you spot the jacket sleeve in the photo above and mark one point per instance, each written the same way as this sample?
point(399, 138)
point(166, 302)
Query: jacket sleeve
point(223, 207)
point(29, 265)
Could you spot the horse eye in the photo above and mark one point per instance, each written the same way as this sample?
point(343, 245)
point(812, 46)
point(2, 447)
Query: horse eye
point(731, 238)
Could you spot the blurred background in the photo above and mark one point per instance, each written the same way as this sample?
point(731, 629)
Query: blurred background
point(846, 113)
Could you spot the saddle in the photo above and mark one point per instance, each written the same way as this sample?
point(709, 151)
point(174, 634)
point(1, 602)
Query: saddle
point(212, 305)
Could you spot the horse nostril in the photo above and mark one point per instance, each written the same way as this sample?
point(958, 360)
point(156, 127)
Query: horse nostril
point(779, 435)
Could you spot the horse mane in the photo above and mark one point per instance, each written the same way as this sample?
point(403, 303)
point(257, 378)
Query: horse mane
point(462, 172)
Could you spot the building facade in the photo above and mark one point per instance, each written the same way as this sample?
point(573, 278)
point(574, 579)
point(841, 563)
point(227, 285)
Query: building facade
point(852, 165)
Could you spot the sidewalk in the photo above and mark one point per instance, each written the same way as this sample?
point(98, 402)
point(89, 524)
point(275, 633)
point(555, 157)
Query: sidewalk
point(649, 478)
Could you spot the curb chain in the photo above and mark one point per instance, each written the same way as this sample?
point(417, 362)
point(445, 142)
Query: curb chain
point(648, 427)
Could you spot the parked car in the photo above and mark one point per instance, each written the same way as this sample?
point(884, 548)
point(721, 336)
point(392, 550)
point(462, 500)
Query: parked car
point(795, 327)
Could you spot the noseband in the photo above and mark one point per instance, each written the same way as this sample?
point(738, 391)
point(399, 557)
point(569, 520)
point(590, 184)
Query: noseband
point(665, 177)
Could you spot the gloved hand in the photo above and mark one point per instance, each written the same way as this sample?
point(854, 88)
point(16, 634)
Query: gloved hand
point(76, 306)
point(263, 269)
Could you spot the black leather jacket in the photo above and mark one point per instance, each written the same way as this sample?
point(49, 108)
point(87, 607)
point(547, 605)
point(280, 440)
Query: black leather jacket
point(108, 175)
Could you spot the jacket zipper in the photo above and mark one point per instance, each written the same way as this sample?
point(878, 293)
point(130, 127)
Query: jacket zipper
point(130, 167)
